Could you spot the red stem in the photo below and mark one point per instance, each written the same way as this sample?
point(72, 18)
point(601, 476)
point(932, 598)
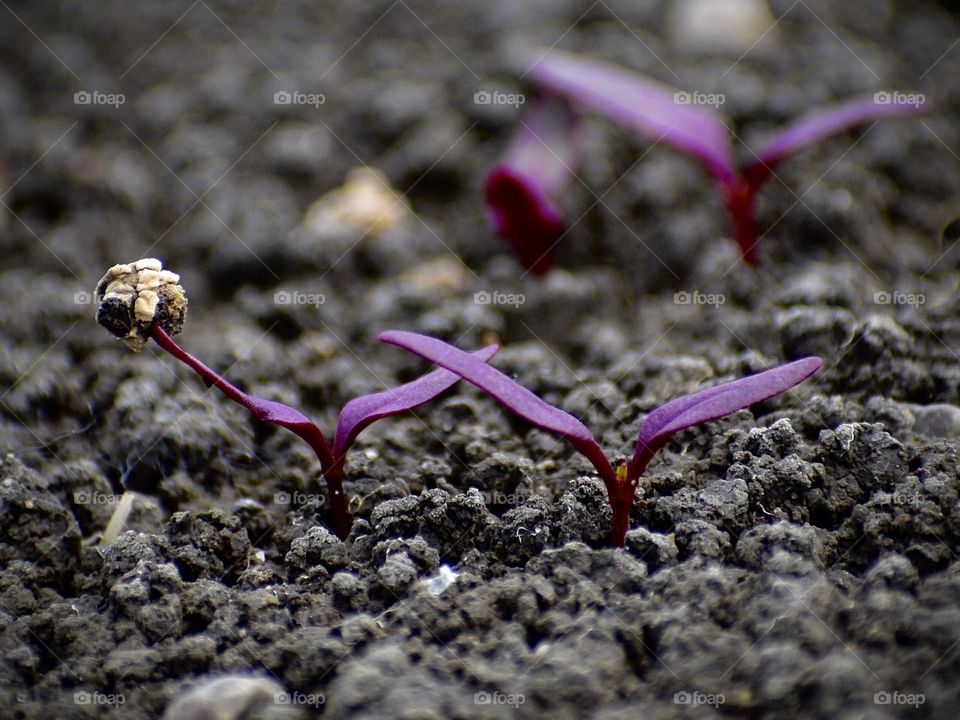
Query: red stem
point(619, 491)
point(339, 515)
point(624, 488)
point(621, 519)
point(621, 498)
point(741, 202)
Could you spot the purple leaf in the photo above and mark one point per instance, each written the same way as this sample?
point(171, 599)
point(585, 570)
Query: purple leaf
point(362, 411)
point(820, 124)
point(713, 403)
point(654, 110)
point(507, 392)
point(520, 191)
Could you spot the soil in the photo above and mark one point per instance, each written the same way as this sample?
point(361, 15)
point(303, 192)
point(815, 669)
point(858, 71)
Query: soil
point(799, 559)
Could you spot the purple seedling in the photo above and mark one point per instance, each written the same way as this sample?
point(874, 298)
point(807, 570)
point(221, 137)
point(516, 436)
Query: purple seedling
point(141, 301)
point(355, 416)
point(657, 427)
point(521, 190)
point(658, 112)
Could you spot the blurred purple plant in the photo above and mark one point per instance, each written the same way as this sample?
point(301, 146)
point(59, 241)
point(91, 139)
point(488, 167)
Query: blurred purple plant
point(355, 416)
point(657, 112)
point(520, 191)
point(659, 425)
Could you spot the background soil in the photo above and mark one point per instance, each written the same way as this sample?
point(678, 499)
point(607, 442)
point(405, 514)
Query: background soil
point(792, 560)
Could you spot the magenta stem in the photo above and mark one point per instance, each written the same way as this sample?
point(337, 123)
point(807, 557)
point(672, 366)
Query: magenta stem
point(332, 468)
point(621, 519)
point(339, 514)
point(620, 488)
point(741, 203)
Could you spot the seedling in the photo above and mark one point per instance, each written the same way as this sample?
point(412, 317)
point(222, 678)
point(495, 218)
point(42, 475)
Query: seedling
point(141, 301)
point(678, 414)
point(521, 190)
point(663, 114)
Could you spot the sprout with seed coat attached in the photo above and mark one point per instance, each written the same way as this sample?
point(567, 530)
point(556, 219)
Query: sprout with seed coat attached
point(140, 301)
